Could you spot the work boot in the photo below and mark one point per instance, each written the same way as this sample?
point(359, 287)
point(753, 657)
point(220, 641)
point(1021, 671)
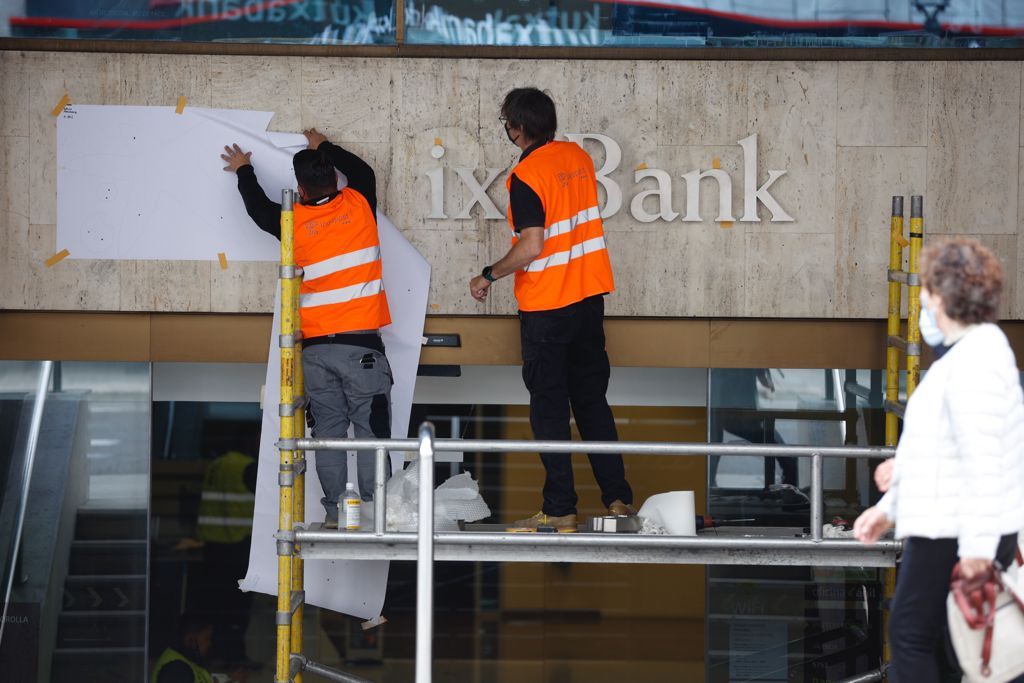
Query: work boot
point(620, 509)
point(566, 524)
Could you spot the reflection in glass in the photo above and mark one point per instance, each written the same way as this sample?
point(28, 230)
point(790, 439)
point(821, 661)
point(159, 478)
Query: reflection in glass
point(325, 22)
point(716, 23)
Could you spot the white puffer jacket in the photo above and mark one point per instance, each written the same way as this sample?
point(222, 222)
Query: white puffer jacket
point(960, 462)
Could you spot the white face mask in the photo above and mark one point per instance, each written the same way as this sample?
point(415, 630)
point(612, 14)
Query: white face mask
point(930, 331)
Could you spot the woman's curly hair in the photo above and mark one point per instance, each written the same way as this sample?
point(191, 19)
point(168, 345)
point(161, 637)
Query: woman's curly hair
point(968, 277)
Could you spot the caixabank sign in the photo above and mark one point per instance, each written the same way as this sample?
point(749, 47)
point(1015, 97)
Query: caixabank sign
point(649, 201)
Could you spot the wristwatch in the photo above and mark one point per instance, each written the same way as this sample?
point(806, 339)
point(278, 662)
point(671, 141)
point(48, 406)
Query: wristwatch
point(487, 274)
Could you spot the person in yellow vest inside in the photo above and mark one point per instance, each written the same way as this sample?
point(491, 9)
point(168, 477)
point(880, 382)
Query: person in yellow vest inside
point(562, 272)
point(184, 662)
point(343, 304)
point(225, 528)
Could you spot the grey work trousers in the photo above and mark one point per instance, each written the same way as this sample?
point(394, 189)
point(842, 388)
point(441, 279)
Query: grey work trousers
point(346, 384)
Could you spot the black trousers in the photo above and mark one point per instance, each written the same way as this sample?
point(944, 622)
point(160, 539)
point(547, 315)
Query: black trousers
point(565, 365)
point(917, 626)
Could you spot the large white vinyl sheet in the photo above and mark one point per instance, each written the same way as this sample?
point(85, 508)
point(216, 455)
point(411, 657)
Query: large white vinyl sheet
point(145, 183)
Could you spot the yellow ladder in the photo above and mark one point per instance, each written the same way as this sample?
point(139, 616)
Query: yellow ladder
point(910, 345)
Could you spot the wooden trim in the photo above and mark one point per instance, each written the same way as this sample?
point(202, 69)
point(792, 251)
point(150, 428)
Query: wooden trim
point(486, 340)
point(754, 54)
point(30, 335)
point(213, 338)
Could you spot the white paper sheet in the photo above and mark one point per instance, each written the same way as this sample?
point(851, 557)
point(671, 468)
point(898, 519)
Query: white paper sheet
point(146, 183)
point(355, 587)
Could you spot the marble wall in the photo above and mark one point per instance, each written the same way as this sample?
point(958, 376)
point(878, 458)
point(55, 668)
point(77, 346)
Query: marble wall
point(849, 135)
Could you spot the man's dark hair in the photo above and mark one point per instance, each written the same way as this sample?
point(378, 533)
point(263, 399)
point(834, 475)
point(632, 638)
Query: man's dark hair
point(315, 172)
point(533, 111)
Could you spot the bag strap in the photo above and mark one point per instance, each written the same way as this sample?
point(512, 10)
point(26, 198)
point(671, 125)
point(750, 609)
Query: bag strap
point(989, 591)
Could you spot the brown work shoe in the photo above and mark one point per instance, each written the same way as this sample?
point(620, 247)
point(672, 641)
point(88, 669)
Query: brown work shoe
point(620, 509)
point(566, 524)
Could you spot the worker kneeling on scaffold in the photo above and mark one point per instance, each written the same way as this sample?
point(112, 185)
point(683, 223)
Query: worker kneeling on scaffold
point(342, 302)
point(562, 272)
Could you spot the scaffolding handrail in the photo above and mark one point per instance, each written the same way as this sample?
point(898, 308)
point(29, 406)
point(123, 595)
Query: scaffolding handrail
point(624, 447)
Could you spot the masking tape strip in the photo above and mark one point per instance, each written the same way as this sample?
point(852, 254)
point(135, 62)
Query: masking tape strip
point(57, 258)
point(716, 163)
point(641, 167)
point(725, 224)
point(64, 101)
point(223, 260)
point(437, 142)
point(181, 105)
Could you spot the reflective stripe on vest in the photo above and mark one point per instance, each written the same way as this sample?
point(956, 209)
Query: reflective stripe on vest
point(226, 505)
point(573, 263)
point(199, 674)
point(338, 247)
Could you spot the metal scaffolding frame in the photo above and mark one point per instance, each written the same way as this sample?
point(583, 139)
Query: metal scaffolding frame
point(297, 542)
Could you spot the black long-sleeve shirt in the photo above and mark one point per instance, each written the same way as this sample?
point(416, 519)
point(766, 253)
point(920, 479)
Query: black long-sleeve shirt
point(267, 214)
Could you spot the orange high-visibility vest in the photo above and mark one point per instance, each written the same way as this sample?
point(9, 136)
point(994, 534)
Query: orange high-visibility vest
point(338, 247)
point(574, 262)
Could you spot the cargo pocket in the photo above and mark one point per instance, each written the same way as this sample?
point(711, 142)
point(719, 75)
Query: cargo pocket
point(380, 416)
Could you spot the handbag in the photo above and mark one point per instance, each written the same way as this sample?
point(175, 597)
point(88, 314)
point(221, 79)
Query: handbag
point(986, 624)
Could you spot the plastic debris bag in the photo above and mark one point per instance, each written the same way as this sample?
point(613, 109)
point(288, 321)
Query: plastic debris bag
point(457, 498)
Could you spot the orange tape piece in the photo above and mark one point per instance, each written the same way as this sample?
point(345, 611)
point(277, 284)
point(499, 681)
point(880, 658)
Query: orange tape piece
point(716, 163)
point(725, 224)
point(437, 142)
point(223, 260)
point(641, 167)
point(181, 105)
point(64, 101)
point(902, 241)
point(57, 258)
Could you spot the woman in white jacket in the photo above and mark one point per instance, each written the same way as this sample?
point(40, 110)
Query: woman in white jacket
point(956, 489)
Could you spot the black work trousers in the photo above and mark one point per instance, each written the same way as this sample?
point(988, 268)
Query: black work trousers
point(565, 365)
point(917, 627)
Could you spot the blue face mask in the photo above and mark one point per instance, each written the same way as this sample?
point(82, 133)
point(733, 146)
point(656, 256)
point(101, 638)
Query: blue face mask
point(930, 331)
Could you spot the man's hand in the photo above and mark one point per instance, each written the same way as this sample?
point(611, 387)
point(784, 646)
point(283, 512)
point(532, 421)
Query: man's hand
point(973, 566)
point(478, 287)
point(314, 138)
point(235, 158)
point(870, 526)
point(883, 475)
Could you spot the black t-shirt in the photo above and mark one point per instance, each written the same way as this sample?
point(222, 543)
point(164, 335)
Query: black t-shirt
point(526, 207)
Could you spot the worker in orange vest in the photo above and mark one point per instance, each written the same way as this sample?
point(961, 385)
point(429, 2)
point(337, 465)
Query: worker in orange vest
point(342, 301)
point(562, 272)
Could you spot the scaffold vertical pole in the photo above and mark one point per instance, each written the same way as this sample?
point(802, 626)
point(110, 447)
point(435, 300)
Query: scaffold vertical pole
point(299, 489)
point(914, 293)
point(286, 476)
point(892, 354)
point(425, 557)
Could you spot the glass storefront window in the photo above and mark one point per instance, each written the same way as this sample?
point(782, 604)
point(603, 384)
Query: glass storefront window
point(717, 23)
point(79, 602)
point(570, 23)
point(791, 623)
point(303, 22)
